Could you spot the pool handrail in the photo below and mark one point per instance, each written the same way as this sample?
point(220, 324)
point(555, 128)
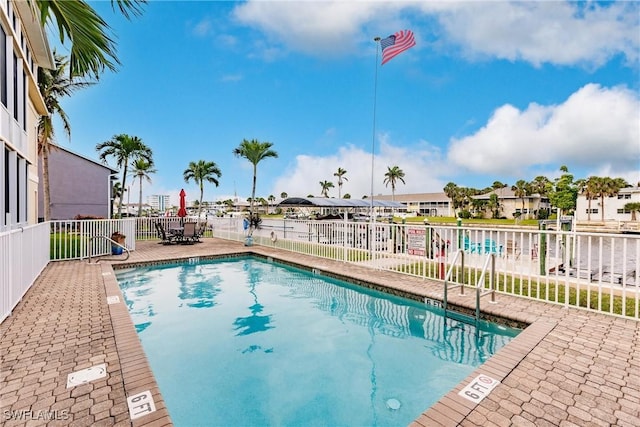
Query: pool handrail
point(113, 242)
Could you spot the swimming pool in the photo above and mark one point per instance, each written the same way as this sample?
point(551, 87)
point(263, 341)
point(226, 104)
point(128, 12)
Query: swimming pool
point(244, 341)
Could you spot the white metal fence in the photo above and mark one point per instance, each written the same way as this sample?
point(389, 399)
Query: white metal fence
point(23, 256)
point(79, 239)
point(593, 271)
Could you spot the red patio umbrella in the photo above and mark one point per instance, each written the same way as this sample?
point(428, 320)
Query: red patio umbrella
point(182, 212)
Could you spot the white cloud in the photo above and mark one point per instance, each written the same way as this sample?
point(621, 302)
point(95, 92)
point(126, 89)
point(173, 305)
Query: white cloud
point(231, 78)
point(202, 28)
point(319, 28)
point(538, 32)
point(421, 164)
point(595, 127)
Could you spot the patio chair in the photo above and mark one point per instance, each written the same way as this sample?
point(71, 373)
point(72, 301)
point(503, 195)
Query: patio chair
point(491, 247)
point(512, 249)
point(190, 233)
point(165, 238)
point(472, 247)
point(200, 230)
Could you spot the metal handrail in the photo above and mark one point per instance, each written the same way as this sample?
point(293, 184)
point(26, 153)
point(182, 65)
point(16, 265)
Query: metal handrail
point(492, 276)
point(113, 242)
point(459, 253)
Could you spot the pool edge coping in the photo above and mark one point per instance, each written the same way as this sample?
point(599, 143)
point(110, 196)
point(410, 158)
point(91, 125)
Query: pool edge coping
point(450, 409)
point(137, 375)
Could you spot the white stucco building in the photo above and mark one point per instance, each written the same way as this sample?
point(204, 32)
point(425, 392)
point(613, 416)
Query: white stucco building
point(613, 208)
point(23, 48)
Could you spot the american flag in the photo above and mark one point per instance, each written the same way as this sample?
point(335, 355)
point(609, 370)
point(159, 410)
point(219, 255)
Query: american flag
point(396, 44)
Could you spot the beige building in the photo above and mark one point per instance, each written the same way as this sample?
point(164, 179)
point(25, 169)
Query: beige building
point(23, 48)
point(422, 204)
point(438, 204)
point(510, 204)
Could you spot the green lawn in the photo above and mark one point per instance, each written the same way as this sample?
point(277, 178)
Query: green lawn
point(552, 292)
point(66, 245)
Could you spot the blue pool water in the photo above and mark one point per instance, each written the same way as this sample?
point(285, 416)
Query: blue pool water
point(246, 342)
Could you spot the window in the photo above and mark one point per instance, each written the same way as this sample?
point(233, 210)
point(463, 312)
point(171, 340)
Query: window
point(593, 211)
point(3, 66)
point(24, 101)
point(15, 86)
point(7, 187)
point(624, 211)
point(18, 190)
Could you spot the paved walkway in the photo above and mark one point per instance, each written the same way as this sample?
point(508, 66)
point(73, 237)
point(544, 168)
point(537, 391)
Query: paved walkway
point(568, 368)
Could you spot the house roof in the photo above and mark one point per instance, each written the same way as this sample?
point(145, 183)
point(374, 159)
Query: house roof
point(505, 193)
point(415, 197)
point(60, 147)
point(325, 202)
point(36, 35)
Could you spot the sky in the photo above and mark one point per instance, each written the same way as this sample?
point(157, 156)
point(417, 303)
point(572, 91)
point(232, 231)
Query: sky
point(492, 91)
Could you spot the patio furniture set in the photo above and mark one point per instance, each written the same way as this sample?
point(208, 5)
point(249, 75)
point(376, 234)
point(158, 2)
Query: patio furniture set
point(188, 233)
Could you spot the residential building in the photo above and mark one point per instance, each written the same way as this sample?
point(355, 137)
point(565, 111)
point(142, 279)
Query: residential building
point(159, 202)
point(23, 49)
point(613, 208)
point(78, 185)
point(423, 204)
point(511, 205)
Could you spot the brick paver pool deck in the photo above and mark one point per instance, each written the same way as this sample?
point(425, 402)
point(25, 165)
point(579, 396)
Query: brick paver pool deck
point(568, 367)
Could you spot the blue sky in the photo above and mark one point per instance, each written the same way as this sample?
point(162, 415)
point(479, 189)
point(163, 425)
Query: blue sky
point(492, 91)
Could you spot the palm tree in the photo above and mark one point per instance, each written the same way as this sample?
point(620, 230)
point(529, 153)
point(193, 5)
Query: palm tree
point(53, 85)
point(340, 174)
point(494, 205)
point(607, 187)
point(563, 192)
point(264, 203)
point(229, 203)
point(393, 175)
point(520, 190)
point(200, 172)
point(254, 151)
point(326, 185)
point(124, 149)
point(141, 170)
point(633, 207)
point(452, 191)
point(540, 185)
point(92, 49)
point(284, 195)
point(271, 199)
point(117, 192)
point(589, 189)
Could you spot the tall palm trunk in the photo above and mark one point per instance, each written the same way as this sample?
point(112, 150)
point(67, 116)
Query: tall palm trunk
point(200, 201)
point(45, 184)
point(140, 199)
point(124, 185)
point(253, 190)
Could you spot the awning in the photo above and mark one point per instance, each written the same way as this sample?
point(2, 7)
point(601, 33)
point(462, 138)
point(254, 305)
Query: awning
point(325, 202)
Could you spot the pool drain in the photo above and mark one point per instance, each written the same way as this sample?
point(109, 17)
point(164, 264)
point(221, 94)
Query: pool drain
point(393, 404)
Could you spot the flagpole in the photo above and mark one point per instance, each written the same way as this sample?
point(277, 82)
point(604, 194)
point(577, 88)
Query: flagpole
point(373, 136)
point(372, 217)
